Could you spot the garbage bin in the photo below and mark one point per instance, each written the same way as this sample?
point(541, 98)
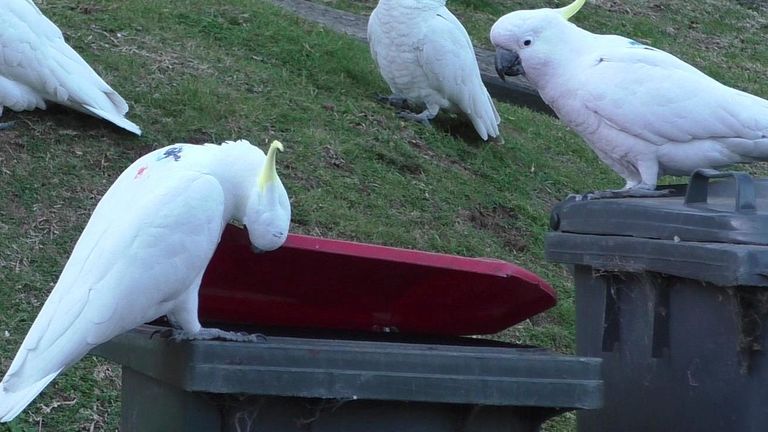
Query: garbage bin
point(360, 337)
point(671, 294)
point(300, 384)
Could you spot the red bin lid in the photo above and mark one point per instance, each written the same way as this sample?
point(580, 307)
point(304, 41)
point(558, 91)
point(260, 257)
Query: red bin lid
point(314, 282)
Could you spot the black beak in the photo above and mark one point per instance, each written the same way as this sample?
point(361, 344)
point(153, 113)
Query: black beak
point(508, 63)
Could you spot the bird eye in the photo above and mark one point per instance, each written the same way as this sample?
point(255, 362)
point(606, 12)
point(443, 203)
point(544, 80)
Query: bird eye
point(527, 42)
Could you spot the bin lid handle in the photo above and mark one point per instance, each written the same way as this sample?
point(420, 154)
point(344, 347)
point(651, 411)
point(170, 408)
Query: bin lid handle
point(698, 188)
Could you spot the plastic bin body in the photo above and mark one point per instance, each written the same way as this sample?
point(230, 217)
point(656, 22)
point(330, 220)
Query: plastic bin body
point(296, 384)
point(672, 296)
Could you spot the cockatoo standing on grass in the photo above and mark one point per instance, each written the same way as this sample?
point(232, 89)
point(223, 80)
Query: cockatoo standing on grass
point(36, 66)
point(425, 55)
point(143, 253)
point(645, 112)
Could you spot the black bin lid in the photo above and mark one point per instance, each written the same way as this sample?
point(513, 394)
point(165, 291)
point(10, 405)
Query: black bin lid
point(715, 232)
point(733, 209)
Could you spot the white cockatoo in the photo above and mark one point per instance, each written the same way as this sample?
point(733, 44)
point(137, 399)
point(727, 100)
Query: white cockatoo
point(425, 55)
point(143, 253)
point(37, 65)
point(645, 112)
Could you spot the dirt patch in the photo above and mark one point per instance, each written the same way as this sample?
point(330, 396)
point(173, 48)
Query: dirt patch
point(10, 137)
point(332, 158)
point(199, 137)
point(89, 9)
point(12, 152)
point(368, 122)
point(457, 126)
point(613, 6)
point(500, 221)
point(161, 57)
point(708, 41)
point(56, 122)
point(402, 163)
point(14, 210)
point(423, 149)
point(108, 373)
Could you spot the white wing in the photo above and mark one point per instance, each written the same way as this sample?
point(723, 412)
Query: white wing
point(143, 248)
point(448, 59)
point(36, 64)
point(655, 96)
point(373, 35)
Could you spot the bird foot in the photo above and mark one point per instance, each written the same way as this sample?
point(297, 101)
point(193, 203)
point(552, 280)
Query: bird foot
point(165, 333)
point(621, 193)
point(498, 139)
point(7, 125)
point(422, 118)
point(177, 335)
point(398, 102)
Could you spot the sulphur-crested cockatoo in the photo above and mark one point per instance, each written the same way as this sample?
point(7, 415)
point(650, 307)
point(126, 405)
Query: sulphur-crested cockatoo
point(645, 112)
point(425, 55)
point(143, 253)
point(36, 66)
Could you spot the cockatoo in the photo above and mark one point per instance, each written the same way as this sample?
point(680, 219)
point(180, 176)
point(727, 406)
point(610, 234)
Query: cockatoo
point(426, 57)
point(36, 66)
point(645, 112)
point(143, 253)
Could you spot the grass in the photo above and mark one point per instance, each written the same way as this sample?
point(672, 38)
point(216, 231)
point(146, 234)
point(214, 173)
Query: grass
point(197, 71)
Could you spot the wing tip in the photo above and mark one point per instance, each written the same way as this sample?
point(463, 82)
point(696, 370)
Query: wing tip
point(13, 403)
point(115, 119)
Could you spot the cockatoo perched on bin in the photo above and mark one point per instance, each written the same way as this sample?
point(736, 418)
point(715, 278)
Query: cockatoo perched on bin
point(36, 66)
point(425, 55)
point(645, 112)
point(143, 253)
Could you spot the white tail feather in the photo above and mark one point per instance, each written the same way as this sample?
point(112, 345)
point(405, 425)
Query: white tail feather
point(114, 118)
point(484, 116)
point(12, 403)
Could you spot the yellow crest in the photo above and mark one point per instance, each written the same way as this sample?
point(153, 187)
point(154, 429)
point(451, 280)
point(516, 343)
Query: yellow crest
point(571, 9)
point(268, 171)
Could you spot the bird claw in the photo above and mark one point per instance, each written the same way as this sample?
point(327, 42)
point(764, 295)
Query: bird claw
point(498, 139)
point(166, 333)
point(395, 101)
point(418, 118)
point(214, 333)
